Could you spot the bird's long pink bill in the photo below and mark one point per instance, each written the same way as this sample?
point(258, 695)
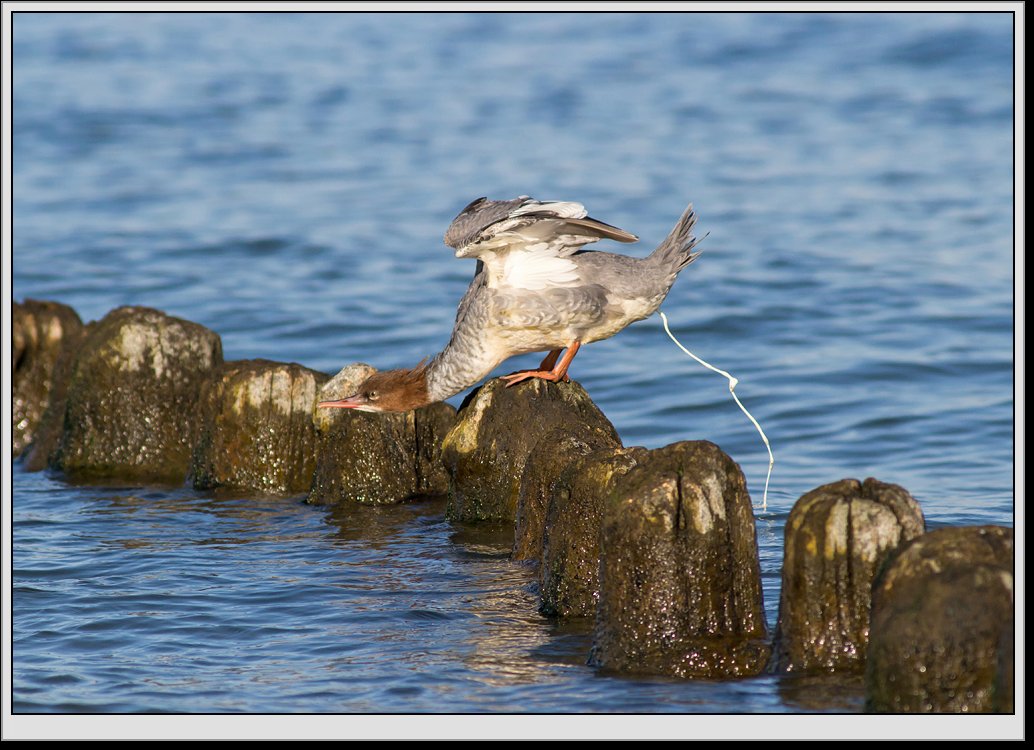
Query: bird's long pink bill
point(352, 402)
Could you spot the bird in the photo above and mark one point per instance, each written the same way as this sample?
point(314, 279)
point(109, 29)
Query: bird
point(535, 289)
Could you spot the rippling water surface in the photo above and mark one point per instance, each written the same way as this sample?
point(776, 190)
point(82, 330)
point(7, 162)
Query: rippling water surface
point(285, 179)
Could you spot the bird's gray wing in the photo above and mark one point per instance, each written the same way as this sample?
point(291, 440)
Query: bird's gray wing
point(486, 229)
point(557, 235)
point(477, 216)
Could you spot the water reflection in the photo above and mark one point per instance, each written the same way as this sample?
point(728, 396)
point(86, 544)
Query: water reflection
point(376, 526)
point(467, 595)
point(173, 518)
point(844, 693)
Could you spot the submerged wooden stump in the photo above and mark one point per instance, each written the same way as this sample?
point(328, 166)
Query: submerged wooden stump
point(680, 579)
point(376, 458)
point(546, 462)
point(569, 575)
point(44, 338)
point(942, 622)
point(835, 539)
point(133, 398)
point(497, 428)
point(257, 431)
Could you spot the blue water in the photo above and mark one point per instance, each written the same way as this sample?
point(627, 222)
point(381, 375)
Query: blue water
point(286, 179)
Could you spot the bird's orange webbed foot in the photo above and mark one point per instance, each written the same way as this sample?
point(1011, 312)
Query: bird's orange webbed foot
point(516, 377)
point(550, 369)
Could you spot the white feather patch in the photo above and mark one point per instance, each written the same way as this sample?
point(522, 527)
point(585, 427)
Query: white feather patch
point(537, 267)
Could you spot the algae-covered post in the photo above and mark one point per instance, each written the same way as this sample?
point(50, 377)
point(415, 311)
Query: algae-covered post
point(44, 338)
point(569, 579)
point(497, 429)
point(547, 462)
point(133, 397)
point(256, 428)
point(376, 458)
point(680, 578)
point(835, 539)
point(942, 625)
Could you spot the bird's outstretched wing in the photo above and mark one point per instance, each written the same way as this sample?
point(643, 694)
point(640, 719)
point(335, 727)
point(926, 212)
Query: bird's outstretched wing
point(525, 243)
point(548, 228)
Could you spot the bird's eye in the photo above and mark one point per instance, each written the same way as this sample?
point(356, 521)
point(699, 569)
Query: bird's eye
point(373, 395)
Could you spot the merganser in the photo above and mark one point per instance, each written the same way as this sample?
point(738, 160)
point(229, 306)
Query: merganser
point(535, 289)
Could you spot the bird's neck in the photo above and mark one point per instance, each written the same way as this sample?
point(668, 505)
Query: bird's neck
point(472, 353)
point(461, 364)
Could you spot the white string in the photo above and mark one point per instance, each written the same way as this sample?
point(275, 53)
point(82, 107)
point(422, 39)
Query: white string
point(732, 385)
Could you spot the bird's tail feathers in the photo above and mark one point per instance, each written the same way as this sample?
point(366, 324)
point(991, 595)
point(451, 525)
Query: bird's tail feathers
point(676, 252)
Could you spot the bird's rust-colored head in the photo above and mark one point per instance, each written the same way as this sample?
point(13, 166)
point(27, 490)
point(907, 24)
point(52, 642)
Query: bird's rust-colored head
point(389, 391)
